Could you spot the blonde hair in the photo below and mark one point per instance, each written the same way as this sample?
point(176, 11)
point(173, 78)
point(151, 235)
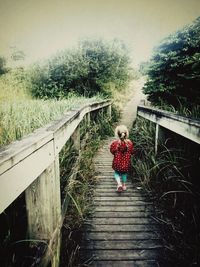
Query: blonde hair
point(120, 130)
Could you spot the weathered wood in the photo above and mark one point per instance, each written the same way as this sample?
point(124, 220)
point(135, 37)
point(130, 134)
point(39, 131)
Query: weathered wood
point(127, 209)
point(121, 214)
point(159, 137)
point(127, 263)
point(23, 161)
point(120, 221)
point(92, 235)
point(141, 254)
point(76, 139)
point(16, 179)
point(120, 203)
point(44, 209)
point(122, 228)
point(123, 244)
point(181, 125)
point(116, 198)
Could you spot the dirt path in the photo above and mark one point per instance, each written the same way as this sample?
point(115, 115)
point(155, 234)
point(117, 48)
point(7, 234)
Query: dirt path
point(130, 110)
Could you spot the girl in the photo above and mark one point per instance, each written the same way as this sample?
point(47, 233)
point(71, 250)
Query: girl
point(122, 149)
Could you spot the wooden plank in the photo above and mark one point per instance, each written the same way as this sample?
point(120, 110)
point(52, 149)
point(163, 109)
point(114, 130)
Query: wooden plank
point(113, 185)
point(111, 190)
point(17, 151)
point(127, 209)
point(126, 263)
point(116, 198)
point(120, 221)
point(16, 179)
point(123, 254)
point(44, 211)
point(92, 235)
point(123, 228)
point(120, 195)
point(121, 214)
point(121, 203)
point(123, 244)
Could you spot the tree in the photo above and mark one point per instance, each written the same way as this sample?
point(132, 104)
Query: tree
point(174, 72)
point(86, 70)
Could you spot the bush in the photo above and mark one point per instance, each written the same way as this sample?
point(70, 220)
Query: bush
point(174, 72)
point(94, 67)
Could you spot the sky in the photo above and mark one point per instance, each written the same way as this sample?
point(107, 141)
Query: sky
point(42, 27)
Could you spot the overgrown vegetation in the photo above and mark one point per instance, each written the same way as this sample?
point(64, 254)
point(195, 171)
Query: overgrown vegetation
point(174, 72)
point(96, 66)
point(172, 176)
point(19, 117)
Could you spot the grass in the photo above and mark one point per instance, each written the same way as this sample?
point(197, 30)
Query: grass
point(13, 87)
point(172, 176)
point(19, 118)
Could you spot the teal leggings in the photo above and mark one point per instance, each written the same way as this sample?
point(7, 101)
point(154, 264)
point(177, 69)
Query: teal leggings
point(117, 176)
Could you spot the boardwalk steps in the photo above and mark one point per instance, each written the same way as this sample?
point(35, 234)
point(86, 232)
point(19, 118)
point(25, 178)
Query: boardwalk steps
point(122, 229)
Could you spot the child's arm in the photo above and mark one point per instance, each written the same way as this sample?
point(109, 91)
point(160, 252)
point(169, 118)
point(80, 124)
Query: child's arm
point(113, 147)
point(130, 147)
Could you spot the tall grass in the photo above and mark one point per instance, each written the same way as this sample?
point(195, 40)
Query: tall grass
point(172, 175)
point(19, 117)
point(181, 109)
point(13, 87)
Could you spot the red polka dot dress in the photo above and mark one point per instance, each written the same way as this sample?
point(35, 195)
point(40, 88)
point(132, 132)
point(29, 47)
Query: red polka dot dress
point(122, 151)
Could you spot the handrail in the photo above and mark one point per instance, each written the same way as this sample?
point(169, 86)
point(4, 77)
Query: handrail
point(23, 161)
point(182, 125)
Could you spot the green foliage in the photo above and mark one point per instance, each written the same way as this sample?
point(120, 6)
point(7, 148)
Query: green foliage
point(92, 68)
point(19, 118)
point(172, 175)
point(174, 73)
point(3, 68)
point(14, 86)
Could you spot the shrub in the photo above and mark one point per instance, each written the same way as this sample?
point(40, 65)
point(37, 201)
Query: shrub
point(94, 67)
point(174, 72)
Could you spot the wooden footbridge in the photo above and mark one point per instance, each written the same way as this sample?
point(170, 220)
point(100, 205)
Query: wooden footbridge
point(122, 230)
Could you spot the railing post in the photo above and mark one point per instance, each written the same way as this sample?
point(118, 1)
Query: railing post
point(76, 139)
point(43, 205)
point(159, 137)
point(88, 118)
point(109, 111)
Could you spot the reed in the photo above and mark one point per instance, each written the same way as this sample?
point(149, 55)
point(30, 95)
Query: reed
point(19, 118)
point(171, 176)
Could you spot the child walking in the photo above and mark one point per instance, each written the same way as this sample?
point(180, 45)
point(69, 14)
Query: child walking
point(122, 149)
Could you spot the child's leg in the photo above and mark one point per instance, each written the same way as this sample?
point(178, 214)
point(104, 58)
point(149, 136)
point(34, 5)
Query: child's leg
point(117, 177)
point(124, 179)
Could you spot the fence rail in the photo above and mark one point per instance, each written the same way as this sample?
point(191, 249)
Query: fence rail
point(184, 126)
point(32, 165)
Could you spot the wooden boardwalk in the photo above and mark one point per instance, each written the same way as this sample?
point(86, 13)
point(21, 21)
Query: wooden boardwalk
point(122, 230)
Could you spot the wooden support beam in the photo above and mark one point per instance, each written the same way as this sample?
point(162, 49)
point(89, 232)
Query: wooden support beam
point(76, 139)
point(159, 137)
point(109, 111)
point(43, 206)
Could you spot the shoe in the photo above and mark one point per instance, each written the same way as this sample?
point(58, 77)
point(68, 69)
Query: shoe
point(119, 188)
point(123, 187)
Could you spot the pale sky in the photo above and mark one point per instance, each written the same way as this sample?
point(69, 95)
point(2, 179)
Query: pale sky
point(42, 27)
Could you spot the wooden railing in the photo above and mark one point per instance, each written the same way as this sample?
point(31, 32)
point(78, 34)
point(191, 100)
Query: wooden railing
point(184, 126)
point(32, 165)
